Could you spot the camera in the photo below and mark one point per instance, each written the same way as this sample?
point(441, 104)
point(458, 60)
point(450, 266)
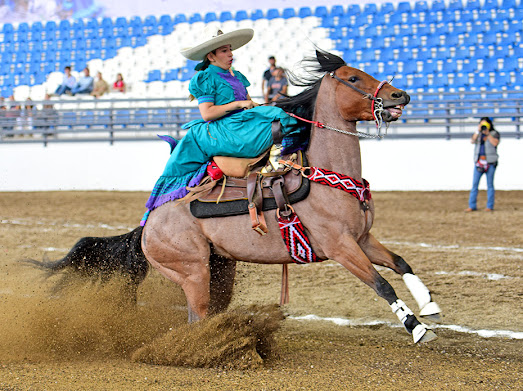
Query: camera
point(483, 128)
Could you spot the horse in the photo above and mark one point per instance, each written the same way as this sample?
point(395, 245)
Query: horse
point(200, 255)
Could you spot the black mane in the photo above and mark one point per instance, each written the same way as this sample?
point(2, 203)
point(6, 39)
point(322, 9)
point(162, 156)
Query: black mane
point(303, 104)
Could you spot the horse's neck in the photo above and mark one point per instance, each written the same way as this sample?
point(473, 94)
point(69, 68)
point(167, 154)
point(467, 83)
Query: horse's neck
point(332, 150)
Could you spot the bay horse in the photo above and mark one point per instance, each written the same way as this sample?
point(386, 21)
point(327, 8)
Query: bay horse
point(200, 255)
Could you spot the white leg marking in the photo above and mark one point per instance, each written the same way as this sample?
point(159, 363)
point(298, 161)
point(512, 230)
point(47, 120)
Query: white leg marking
point(421, 294)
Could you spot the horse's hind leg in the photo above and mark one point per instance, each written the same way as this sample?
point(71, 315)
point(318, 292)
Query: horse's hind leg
point(380, 255)
point(223, 271)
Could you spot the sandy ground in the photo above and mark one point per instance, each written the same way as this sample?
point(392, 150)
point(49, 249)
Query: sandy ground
point(86, 338)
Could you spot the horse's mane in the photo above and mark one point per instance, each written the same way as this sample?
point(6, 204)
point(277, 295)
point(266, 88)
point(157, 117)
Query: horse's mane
point(303, 104)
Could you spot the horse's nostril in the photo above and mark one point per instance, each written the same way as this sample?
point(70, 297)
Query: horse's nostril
point(397, 94)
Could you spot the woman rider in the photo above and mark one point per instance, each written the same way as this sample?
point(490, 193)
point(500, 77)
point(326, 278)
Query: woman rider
point(231, 125)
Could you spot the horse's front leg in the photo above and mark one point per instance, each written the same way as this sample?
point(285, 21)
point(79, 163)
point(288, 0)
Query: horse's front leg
point(352, 257)
point(380, 255)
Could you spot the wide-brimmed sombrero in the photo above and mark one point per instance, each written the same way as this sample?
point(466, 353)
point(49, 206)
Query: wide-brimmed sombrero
point(213, 37)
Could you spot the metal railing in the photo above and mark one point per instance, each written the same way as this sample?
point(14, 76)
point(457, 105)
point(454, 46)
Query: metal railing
point(438, 115)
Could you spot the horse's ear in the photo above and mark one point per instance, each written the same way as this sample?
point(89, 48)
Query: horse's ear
point(328, 61)
point(323, 58)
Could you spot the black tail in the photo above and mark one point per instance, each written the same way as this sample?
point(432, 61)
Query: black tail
point(104, 258)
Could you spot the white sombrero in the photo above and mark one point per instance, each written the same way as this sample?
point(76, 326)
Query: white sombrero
point(212, 38)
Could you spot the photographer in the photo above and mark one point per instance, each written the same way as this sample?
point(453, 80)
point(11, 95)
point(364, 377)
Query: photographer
point(486, 140)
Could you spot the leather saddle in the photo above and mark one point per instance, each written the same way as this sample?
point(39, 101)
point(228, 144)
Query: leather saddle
point(232, 194)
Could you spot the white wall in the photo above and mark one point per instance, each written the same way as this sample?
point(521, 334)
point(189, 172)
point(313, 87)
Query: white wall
point(387, 165)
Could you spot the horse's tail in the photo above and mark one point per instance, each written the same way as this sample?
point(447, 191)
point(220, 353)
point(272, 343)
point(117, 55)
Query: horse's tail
point(103, 258)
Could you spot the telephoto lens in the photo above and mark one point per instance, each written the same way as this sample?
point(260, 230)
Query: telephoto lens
point(483, 128)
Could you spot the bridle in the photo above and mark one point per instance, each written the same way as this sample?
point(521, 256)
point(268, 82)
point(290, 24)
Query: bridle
point(376, 106)
point(377, 103)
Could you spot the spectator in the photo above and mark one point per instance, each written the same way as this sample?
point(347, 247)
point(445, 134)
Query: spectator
point(119, 84)
point(11, 116)
point(68, 82)
point(85, 84)
point(277, 86)
point(267, 75)
point(46, 118)
point(27, 120)
point(486, 140)
point(100, 86)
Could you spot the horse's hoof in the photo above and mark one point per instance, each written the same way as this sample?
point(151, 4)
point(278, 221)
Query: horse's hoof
point(430, 308)
point(434, 318)
point(428, 336)
point(422, 334)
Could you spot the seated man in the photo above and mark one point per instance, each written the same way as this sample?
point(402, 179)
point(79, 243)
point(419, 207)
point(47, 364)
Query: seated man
point(68, 82)
point(85, 84)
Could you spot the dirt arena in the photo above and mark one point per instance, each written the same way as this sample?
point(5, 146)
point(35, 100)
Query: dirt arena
point(86, 338)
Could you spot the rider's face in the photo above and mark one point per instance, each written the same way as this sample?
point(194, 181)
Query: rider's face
point(222, 57)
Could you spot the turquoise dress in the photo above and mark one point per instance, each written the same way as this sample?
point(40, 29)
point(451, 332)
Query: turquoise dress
point(243, 133)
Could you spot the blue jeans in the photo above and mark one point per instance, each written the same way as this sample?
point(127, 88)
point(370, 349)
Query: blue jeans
point(490, 187)
point(62, 90)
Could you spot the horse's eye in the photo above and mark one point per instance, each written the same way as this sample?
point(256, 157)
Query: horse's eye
point(353, 79)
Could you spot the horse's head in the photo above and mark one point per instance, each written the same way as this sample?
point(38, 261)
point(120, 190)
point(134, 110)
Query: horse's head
point(358, 95)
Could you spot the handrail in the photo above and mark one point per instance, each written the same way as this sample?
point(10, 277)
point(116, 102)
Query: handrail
point(112, 120)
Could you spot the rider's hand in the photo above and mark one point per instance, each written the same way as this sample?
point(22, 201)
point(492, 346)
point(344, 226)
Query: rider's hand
point(246, 104)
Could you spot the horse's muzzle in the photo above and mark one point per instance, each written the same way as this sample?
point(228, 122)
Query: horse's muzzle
point(393, 108)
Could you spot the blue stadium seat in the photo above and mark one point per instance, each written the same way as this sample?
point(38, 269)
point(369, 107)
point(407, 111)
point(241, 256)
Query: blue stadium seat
point(454, 5)
point(403, 6)
point(370, 9)
point(352, 9)
point(288, 13)
point(490, 4)
point(328, 22)
point(510, 64)
point(165, 25)
point(121, 23)
point(154, 75)
point(409, 67)
point(196, 17)
point(438, 5)
point(421, 6)
point(396, 18)
point(337, 10)
point(507, 4)
point(273, 13)
point(210, 17)
point(473, 5)
point(123, 42)
point(165, 19)
point(488, 39)
point(37, 28)
point(8, 28)
point(241, 15)
point(171, 74)
point(257, 14)
point(344, 22)
point(181, 18)
point(139, 40)
point(386, 8)
point(225, 16)
point(150, 25)
point(502, 79)
point(50, 29)
point(304, 12)
point(321, 11)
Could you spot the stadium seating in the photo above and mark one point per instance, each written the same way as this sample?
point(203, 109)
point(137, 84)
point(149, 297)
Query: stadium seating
point(430, 46)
